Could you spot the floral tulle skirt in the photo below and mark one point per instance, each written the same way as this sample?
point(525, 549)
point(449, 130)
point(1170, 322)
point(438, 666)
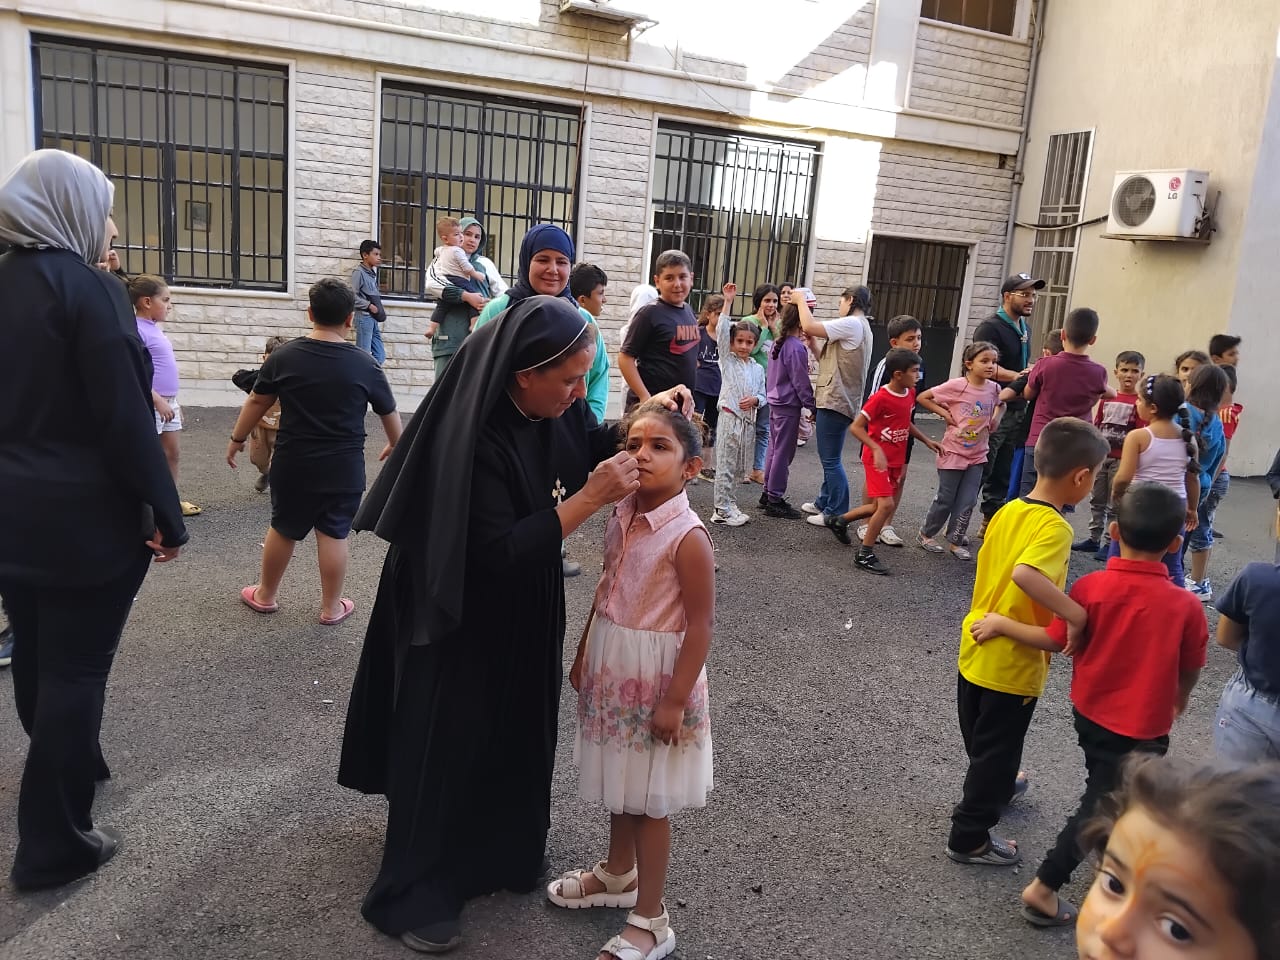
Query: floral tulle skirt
point(624, 675)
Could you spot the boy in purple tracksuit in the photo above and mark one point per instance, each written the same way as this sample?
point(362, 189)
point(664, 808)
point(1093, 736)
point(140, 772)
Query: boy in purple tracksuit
point(789, 393)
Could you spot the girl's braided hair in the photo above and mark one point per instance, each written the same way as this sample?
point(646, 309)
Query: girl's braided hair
point(1205, 389)
point(1165, 394)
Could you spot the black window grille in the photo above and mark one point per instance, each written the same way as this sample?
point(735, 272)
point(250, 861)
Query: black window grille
point(994, 16)
point(197, 149)
point(511, 164)
point(738, 205)
point(1054, 251)
point(923, 279)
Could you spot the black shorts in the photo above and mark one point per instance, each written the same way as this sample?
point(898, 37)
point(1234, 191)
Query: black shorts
point(911, 442)
point(294, 515)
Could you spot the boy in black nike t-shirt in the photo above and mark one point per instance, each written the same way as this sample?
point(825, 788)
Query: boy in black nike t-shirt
point(661, 348)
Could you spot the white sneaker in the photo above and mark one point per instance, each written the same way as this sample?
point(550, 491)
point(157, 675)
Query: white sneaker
point(889, 537)
point(817, 519)
point(810, 509)
point(735, 518)
point(862, 531)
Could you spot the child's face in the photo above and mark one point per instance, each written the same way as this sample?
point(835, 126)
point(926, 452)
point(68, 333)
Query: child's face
point(1185, 369)
point(156, 308)
point(373, 259)
point(1157, 896)
point(594, 301)
point(1127, 377)
point(661, 459)
point(906, 379)
point(985, 364)
point(744, 344)
point(1228, 358)
point(674, 284)
point(1145, 409)
point(912, 340)
point(768, 307)
point(451, 238)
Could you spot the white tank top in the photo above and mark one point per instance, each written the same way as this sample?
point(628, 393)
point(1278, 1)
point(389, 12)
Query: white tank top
point(1164, 462)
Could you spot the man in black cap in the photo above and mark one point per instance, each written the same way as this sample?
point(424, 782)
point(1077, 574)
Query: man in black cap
point(1007, 328)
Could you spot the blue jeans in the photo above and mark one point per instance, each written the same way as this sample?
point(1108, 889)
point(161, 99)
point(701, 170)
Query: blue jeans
point(1247, 727)
point(369, 337)
point(831, 428)
point(1202, 537)
point(762, 436)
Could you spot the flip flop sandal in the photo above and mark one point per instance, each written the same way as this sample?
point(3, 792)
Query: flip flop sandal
point(190, 509)
point(249, 596)
point(1065, 917)
point(348, 608)
point(997, 853)
point(568, 892)
point(623, 949)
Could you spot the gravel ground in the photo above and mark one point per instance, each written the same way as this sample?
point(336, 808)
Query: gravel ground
point(838, 758)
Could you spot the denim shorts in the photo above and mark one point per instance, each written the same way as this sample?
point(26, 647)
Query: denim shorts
point(1201, 537)
point(1247, 726)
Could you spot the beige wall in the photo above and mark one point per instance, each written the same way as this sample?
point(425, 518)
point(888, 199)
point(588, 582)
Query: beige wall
point(887, 167)
point(1164, 84)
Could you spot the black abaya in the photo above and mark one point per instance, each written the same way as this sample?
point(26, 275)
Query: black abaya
point(460, 733)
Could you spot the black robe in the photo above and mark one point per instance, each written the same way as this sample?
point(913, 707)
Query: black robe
point(460, 733)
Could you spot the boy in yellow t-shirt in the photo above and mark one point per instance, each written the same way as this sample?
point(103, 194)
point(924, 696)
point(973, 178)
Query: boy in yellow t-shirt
point(1022, 568)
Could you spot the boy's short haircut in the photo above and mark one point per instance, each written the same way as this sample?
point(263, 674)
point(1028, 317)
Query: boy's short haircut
point(1220, 343)
point(672, 258)
point(1133, 358)
point(900, 359)
point(1053, 342)
point(368, 246)
point(745, 326)
point(1068, 444)
point(1233, 379)
point(584, 278)
point(1150, 515)
point(272, 343)
point(447, 225)
point(901, 324)
point(331, 302)
point(1081, 326)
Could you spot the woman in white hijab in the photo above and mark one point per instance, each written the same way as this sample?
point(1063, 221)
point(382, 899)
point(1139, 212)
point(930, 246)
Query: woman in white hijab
point(86, 498)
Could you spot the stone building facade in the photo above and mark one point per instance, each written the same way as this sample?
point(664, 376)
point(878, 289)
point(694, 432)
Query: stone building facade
point(894, 133)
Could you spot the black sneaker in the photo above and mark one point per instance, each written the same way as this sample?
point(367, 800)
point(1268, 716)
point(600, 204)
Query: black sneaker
point(867, 560)
point(781, 509)
point(840, 527)
point(764, 500)
point(1087, 545)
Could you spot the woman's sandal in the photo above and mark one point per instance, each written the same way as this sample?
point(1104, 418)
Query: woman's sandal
point(660, 926)
point(569, 892)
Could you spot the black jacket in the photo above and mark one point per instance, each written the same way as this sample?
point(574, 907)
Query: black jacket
point(995, 330)
point(83, 479)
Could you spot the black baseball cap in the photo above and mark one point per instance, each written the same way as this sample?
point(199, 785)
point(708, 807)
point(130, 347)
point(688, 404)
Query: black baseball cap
point(1021, 281)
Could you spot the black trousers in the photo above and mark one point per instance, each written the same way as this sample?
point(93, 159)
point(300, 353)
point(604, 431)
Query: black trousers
point(65, 639)
point(1104, 755)
point(993, 726)
point(1004, 443)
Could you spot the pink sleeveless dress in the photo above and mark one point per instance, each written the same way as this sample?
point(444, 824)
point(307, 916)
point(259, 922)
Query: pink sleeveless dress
point(631, 652)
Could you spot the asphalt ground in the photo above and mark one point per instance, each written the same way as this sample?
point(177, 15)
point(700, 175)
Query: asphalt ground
point(838, 757)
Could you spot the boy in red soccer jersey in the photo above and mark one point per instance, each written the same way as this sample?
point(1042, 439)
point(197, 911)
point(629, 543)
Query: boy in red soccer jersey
point(883, 425)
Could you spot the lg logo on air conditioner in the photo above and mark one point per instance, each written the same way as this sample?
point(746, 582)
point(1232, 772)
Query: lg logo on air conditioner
point(1175, 184)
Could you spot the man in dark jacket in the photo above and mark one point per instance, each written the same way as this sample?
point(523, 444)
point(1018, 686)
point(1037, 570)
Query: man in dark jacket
point(1007, 328)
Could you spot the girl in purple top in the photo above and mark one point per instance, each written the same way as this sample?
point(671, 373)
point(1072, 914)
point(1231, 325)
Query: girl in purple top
point(789, 393)
point(152, 306)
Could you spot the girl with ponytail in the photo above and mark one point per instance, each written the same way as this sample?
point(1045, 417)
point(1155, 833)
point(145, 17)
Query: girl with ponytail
point(1206, 387)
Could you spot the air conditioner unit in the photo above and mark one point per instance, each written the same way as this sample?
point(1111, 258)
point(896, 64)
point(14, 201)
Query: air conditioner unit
point(1159, 205)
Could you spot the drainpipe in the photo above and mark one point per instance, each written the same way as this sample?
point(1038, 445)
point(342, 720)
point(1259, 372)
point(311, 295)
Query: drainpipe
point(1037, 41)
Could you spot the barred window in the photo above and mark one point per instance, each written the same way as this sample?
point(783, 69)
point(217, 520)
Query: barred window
point(994, 16)
point(738, 205)
point(511, 164)
point(197, 149)
point(1053, 254)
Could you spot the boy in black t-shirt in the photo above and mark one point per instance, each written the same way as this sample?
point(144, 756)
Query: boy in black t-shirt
point(661, 348)
point(323, 383)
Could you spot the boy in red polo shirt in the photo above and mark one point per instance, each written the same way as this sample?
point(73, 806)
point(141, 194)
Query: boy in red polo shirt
point(1144, 649)
point(883, 426)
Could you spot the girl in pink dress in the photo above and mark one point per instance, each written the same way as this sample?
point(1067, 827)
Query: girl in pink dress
point(644, 735)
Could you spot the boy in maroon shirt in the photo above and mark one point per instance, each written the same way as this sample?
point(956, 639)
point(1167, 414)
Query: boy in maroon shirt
point(883, 426)
point(1065, 385)
point(1116, 418)
point(1143, 651)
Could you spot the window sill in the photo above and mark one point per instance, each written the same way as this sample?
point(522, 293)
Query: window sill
point(974, 31)
point(233, 292)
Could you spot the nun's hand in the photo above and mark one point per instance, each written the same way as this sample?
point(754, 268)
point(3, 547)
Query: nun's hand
point(677, 398)
point(613, 479)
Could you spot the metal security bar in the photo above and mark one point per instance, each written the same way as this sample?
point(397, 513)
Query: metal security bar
point(994, 16)
point(739, 206)
point(197, 149)
point(924, 279)
point(1054, 252)
point(511, 164)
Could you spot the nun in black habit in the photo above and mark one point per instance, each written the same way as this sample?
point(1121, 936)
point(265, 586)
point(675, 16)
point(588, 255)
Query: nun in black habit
point(454, 709)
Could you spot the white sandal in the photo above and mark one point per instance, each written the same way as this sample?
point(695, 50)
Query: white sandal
point(660, 926)
point(568, 891)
